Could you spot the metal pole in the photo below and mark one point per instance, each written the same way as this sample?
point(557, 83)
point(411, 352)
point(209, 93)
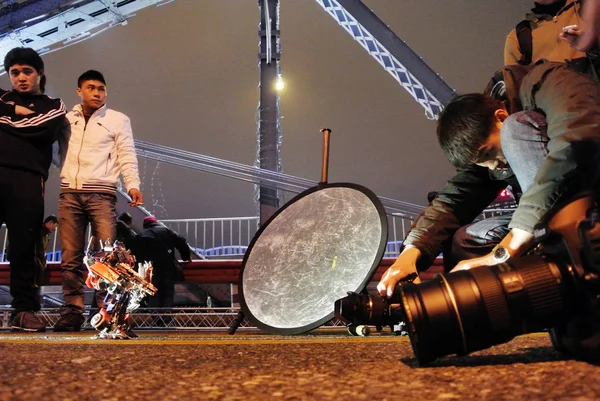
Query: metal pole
point(269, 132)
point(325, 167)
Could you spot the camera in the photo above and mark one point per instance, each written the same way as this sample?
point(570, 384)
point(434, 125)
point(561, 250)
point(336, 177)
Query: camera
point(550, 287)
point(360, 310)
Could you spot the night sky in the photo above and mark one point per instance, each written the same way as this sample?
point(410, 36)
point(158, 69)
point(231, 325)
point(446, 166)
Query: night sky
point(186, 74)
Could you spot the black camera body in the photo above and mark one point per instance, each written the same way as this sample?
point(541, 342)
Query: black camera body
point(358, 309)
point(558, 282)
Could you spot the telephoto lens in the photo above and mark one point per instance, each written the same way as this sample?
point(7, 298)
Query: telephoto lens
point(556, 283)
point(474, 309)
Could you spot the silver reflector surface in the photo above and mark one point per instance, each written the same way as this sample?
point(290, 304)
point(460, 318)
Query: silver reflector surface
point(323, 243)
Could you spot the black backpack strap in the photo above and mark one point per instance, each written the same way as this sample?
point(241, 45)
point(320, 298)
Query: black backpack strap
point(523, 30)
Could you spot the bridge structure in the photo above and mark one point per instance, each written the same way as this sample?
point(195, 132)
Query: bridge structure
point(50, 25)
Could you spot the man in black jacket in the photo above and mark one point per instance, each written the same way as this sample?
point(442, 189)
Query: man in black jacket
point(30, 122)
point(157, 244)
point(545, 136)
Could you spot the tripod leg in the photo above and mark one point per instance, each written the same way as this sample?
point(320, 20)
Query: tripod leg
point(236, 322)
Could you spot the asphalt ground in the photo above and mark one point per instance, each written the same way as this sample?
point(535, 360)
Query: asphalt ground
point(322, 365)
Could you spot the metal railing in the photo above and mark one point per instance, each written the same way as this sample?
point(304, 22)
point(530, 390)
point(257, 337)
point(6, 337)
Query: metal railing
point(210, 319)
point(53, 245)
point(236, 233)
point(216, 236)
point(229, 236)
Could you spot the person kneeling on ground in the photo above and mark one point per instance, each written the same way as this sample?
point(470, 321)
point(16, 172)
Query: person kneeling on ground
point(546, 137)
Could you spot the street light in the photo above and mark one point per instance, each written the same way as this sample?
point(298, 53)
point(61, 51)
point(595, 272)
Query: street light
point(279, 84)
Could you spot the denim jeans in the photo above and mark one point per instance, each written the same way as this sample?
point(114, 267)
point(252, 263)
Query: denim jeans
point(525, 148)
point(22, 209)
point(75, 211)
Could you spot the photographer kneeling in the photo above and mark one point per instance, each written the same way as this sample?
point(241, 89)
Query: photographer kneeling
point(544, 139)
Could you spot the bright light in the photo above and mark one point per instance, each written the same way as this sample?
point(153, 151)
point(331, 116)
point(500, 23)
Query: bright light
point(34, 18)
point(279, 85)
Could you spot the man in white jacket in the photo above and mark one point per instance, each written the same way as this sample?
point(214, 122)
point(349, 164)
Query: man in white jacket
point(100, 148)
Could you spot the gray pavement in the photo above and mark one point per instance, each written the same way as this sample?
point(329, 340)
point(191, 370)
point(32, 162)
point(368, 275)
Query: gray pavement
point(322, 365)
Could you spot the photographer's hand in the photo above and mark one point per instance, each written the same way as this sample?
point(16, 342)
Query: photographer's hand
point(402, 267)
point(486, 260)
point(516, 242)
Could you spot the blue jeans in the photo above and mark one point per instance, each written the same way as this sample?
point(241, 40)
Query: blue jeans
point(525, 148)
point(75, 211)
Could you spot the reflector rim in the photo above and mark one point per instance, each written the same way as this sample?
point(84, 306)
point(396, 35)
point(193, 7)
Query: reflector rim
point(378, 256)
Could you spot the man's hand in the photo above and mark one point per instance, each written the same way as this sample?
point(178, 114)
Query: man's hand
point(572, 37)
point(402, 267)
point(22, 111)
point(516, 242)
point(136, 197)
point(487, 260)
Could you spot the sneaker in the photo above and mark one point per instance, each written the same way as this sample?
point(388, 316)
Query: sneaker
point(27, 321)
point(69, 322)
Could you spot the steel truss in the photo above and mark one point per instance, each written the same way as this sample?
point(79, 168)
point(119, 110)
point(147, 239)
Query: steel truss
point(63, 23)
point(238, 171)
point(395, 56)
point(51, 25)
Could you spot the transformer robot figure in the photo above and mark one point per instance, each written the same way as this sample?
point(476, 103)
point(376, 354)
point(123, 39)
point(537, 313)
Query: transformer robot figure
point(112, 269)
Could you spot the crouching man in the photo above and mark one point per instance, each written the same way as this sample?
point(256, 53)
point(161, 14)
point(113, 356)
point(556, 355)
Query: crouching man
point(545, 137)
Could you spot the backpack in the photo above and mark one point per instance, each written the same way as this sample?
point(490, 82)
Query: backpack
point(505, 83)
point(589, 65)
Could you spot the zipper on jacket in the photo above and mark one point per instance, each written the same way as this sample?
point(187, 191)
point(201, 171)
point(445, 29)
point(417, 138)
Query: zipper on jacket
point(80, 149)
point(85, 124)
point(107, 162)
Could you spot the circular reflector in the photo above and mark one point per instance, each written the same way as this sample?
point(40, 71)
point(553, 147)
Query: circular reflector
point(323, 243)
